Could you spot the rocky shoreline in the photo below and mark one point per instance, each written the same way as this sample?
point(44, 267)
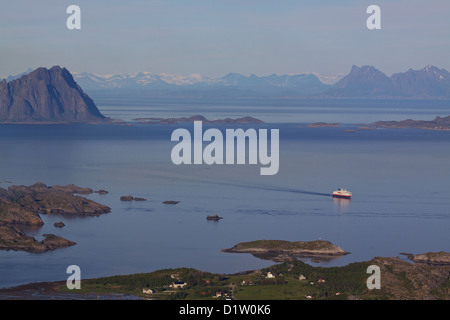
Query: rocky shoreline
point(23, 205)
point(12, 238)
point(400, 280)
point(433, 258)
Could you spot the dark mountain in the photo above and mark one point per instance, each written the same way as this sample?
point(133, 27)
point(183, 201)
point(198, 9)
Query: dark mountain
point(46, 95)
point(429, 82)
point(368, 82)
point(363, 82)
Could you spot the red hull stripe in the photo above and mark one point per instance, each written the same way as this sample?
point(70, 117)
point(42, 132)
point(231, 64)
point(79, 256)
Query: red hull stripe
point(340, 196)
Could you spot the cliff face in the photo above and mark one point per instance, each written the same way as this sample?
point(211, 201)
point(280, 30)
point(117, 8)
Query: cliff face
point(46, 95)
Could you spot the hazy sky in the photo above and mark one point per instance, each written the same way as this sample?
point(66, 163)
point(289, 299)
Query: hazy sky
point(215, 37)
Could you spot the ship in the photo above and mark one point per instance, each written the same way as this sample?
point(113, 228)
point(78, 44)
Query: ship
point(342, 193)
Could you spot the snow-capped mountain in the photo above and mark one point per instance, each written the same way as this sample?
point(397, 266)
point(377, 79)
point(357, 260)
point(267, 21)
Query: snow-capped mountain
point(92, 81)
point(362, 82)
point(301, 84)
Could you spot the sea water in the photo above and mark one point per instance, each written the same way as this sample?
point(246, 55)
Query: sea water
point(400, 180)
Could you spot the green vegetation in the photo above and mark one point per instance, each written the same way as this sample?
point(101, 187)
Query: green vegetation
point(285, 281)
point(319, 283)
point(198, 284)
point(442, 292)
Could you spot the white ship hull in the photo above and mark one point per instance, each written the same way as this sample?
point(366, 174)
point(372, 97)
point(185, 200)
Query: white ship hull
point(342, 193)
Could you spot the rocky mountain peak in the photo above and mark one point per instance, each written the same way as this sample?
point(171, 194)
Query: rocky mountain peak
point(46, 95)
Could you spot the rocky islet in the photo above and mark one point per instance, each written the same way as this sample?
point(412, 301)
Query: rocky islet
point(23, 205)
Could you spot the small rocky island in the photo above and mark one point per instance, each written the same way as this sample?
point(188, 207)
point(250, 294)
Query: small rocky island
point(196, 118)
point(214, 217)
point(12, 238)
point(131, 198)
point(23, 205)
point(323, 125)
point(281, 250)
point(59, 224)
point(171, 202)
point(437, 123)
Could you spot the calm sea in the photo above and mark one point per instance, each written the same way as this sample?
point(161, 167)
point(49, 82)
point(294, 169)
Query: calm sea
point(400, 181)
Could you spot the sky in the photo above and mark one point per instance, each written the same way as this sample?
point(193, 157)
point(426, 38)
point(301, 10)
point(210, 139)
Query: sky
point(216, 37)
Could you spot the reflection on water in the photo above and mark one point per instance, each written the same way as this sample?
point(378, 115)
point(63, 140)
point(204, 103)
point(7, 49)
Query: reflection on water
point(341, 205)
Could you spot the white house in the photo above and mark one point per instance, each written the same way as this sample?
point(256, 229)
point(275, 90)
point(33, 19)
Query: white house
point(148, 291)
point(178, 284)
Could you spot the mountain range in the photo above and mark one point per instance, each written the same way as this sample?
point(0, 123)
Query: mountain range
point(429, 82)
point(233, 84)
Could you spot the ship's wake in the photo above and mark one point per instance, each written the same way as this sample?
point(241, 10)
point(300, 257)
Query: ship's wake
point(292, 190)
point(275, 188)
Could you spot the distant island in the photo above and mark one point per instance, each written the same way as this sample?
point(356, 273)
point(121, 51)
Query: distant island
point(46, 96)
point(437, 123)
point(323, 125)
point(23, 205)
point(196, 118)
point(281, 250)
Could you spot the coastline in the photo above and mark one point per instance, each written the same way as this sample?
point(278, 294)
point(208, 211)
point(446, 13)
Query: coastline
point(419, 278)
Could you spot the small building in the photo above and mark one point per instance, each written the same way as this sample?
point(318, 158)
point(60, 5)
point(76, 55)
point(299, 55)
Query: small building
point(301, 277)
point(321, 280)
point(148, 291)
point(270, 275)
point(178, 284)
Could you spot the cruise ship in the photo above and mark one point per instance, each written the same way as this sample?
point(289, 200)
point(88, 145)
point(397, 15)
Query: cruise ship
point(342, 193)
